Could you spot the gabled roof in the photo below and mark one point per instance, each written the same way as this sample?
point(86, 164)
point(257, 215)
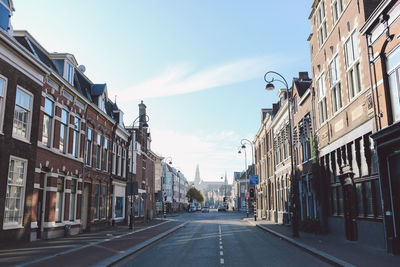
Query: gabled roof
point(302, 85)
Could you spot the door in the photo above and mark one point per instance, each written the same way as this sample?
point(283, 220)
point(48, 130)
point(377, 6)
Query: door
point(85, 206)
point(40, 214)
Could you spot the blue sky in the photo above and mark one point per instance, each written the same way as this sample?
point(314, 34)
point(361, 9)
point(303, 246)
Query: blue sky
point(197, 65)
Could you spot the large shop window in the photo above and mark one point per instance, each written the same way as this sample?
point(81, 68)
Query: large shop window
point(59, 199)
point(3, 89)
point(369, 199)
point(393, 66)
point(14, 206)
point(136, 206)
point(22, 114)
point(72, 200)
point(48, 120)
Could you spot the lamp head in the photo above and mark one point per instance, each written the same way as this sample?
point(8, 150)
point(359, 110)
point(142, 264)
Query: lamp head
point(170, 162)
point(145, 125)
point(239, 152)
point(269, 87)
point(243, 146)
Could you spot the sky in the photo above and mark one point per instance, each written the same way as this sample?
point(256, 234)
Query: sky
point(197, 65)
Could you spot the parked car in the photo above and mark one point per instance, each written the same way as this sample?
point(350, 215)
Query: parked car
point(198, 208)
point(205, 209)
point(221, 208)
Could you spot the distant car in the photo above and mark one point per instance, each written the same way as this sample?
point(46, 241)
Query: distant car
point(205, 209)
point(192, 209)
point(198, 208)
point(221, 208)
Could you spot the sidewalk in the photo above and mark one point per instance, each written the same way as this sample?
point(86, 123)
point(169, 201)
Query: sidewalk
point(85, 249)
point(334, 249)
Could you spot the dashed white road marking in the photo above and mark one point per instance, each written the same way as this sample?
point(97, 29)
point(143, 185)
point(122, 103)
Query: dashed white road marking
point(220, 247)
point(222, 261)
point(221, 252)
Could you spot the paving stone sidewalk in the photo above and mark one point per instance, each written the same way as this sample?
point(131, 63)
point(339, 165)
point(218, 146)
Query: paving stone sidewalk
point(83, 249)
point(352, 252)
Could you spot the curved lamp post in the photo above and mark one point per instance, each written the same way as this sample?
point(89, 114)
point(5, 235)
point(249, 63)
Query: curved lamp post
point(293, 182)
point(142, 119)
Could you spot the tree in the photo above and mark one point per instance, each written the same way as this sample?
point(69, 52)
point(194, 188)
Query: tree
point(194, 194)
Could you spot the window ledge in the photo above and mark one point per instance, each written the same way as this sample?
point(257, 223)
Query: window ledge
point(22, 139)
point(12, 226)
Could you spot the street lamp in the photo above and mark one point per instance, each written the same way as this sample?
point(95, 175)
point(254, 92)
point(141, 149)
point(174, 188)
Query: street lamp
point(245, 171)
point(243, 141)
point(164, 192)
point(142, 119)
point(293, 182)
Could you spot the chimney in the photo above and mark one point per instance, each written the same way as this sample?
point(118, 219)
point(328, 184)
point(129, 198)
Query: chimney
point(303, 75)
point(142, 114)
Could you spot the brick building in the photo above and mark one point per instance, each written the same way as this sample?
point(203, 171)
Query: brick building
point(22, 77)
point(344, 120)
point(381, 32)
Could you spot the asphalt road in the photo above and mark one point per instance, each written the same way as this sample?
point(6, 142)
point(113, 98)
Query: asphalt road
point(220, 239)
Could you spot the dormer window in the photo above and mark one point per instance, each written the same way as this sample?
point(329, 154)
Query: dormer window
point(102, 103)
point(69, 73)
point(121, 119)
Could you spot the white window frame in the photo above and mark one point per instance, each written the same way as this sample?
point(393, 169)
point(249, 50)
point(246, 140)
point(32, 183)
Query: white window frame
point(119, 159)
point(338, 6)
point(8, 225)
point(29, 123)
point(62, 201)
point(50, 138)
point(124, 163)
point(335, 84)
point(114, 157)
point(89, 147)
point(3, 102)
point(69, 72)
point(98, 151)
point(353, 71)
point(77, 131)
point(66, 131)
point(106, 153)
point(393, 71)
point(322, 103)
point(322, 25)
point(74, 202)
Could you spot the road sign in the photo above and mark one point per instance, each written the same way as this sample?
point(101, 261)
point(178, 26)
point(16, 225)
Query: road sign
point(253, 179)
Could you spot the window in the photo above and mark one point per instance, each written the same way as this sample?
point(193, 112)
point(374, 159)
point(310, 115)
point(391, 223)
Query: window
point(22, 114)
point(337, 10)
point(68, 96)
point(336, 88)
point(102, 103)
point(393, 67)
point(119, 207)
point(3, 89)
point(96, 201)
point(72, 200)
point(53, 84)
point(106, 151)
point(98, 151)
point(353, 64)
point(369, 199)
point(104, 202)
point(14, 206)
point(322, 29)
point(48, 120)
point(114, 158)
point(59, 199)
point(69, 73)
point(79, 104)
point(119, 161)
point(63, 130)
point(124, 163)
point(76, 138)
point(89, 143)
point(323, 112)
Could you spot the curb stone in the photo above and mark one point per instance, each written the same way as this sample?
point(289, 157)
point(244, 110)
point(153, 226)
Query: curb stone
point(316, 252)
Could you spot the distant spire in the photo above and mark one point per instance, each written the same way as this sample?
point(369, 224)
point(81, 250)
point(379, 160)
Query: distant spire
point(197, 179)
point(226, 179)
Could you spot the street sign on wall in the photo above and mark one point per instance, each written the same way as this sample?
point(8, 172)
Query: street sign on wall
point(253, 179)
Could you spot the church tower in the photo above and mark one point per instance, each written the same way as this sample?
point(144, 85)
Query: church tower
point(197, 179)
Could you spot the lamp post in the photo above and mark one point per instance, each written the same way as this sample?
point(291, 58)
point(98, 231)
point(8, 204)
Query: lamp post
point(293, 181)
point(164, 192)
point(245, 171)
point(243, 141)
point(142, 119)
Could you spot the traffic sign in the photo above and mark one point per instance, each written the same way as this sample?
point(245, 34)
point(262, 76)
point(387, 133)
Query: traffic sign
point(253, 179)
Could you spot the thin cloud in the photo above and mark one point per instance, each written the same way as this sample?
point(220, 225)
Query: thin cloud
point(184, 78)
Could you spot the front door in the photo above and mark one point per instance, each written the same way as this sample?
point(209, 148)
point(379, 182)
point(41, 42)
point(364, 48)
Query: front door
point(394, 176)
point(85, 206)
point(39, 212)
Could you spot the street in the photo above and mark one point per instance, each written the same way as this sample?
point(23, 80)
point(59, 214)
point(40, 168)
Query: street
point(220, 239)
